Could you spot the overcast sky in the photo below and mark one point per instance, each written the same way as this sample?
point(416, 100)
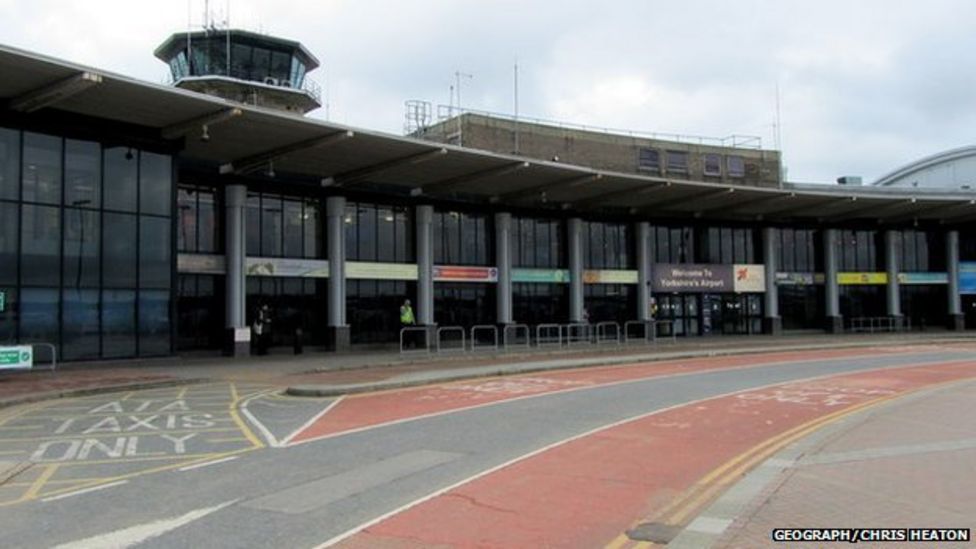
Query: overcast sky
point(864, 86)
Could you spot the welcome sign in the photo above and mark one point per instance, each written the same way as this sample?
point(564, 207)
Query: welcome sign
point(708, 277)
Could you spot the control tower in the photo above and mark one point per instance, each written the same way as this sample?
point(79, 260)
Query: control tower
point(243, 66)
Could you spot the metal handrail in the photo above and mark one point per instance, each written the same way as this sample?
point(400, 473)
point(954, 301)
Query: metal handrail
point(420, 329)
point(601, 332)
point(584, 333)
point(484, 328)
point(547, 328)
point(450, 329)
point(648, 331)
point(516, 328)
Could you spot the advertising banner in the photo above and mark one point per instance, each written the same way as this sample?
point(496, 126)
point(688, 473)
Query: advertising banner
point(551, 276)
point(20, 357)
point(380, 271)
point(451, 273)
point(799, 279)
point(200, 263)
point(749, 278)
point(967, 277)
point(277, 266)
point(923, 278)
point(862, 279)
point(609, 277)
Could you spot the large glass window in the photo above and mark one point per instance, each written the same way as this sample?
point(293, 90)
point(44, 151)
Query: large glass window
point(156, 183)
point(378, 233)
point(118, 323)
point(154, 330)
point(82, 174)
point(798, 250)
point(40, 245)
point(673, 244)
point(461, 238)
point(9, 164)
point(82, 248)
point(200, 312)
point(374, 309)
point(538, 243)
point(859, 251)
point(922, 251)
point(121, 172)
point(81, 327)
point(282, 226)
point(42, 168)
point(154, 252)
point(39, 314)
point(119, 257)
point(727, 245)
point(198, 227)
point(9, 232)
point(607, 245)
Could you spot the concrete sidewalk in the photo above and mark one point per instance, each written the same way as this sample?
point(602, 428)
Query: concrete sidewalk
point(908, 463)
point(328, 374)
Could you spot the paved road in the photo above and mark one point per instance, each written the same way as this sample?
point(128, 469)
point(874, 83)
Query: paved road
point(222, 465)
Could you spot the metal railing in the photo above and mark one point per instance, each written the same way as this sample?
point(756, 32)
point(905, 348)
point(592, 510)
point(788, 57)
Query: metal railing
point(664, 322)
point(576, 332)
point(424, 332)
point(450, 330)
point(516, 329)
point(544, 335)
point(602, 332)
point(873, 324)
point(647, 331)
point(484, 328)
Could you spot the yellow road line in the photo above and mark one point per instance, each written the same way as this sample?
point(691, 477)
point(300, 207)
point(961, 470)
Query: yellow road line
point(255, 441)
point(182, 393)
point(40, 481)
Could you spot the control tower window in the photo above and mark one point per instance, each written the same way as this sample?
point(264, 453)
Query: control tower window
point(262, 64)
point(240, 62)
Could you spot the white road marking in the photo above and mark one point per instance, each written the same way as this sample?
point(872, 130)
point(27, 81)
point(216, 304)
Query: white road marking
point(206, 464)
point(133, 535)
point(355, 530)
point(287, 440)
point(85, 491)
point(265, 432)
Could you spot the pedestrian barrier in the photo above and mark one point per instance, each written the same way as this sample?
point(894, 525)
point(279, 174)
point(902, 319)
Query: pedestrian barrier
point(408, 345)
point(608, 332)
point(484, 329)
point(670, 331)
point(577, 332)
point(34, 356)
point(548, 334)
point(873, 324)
point(646, 331)
point(450, 330)
point(515, 330)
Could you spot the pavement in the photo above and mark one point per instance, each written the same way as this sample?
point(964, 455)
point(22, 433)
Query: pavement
point(327, 374)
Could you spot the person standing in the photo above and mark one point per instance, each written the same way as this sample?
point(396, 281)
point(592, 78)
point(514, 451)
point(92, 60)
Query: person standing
point(406, 320)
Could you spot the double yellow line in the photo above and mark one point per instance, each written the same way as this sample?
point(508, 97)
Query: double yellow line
point(707, 488)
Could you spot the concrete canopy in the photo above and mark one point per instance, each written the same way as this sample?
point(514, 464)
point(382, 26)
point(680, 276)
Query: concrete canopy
point(349, 157)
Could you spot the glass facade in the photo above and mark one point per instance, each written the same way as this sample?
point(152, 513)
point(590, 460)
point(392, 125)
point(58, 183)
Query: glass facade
point(198, 220)
point(463, 238)
point(800, 250)
point(534, 303)
point(373, 309)
point(295, 304)
point(538, 243)
point(673, 244)
point(85, 246)
point(284, 226)
point(248, 60)
point(608, 245)
point(921, 251)
point(610, 302)
point(200, 306)
point(376, 232)
point(464, 304)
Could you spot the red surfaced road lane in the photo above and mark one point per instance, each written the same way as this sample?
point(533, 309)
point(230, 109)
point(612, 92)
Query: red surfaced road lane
point(359, 411)
point(586, 492)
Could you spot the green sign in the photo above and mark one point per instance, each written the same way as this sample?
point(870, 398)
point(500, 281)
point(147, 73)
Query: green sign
point(551, 276)
point(16, 358)
point(3, 301)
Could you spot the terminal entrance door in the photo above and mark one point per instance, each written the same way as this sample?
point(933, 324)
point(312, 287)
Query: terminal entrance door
point(683, 311)
point(731, 314)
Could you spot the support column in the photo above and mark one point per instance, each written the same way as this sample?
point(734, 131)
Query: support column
point(238, 335)
point(503, 260)
point(835, 322)
point(643, 271)
point(893, 289)
point(957, 320)
point(338, 330)
point(574, 229)
point(772, 322)
point(425, 265)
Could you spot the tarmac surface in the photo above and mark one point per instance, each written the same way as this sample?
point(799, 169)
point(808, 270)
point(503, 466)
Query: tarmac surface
point(693, 447)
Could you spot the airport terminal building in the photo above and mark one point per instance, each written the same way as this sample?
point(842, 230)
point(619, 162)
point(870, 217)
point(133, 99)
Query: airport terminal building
point(143, 220)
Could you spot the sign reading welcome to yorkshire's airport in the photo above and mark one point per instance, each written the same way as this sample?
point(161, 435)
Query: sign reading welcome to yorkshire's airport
point(718, 278)
point(16, 358)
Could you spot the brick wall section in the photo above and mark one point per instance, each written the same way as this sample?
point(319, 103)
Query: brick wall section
point(612, 152)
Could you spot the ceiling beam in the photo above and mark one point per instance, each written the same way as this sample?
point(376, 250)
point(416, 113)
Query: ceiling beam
point(736, 208)
point(181, 128)
point(352, 176)
point(785, 212)
point(48, 95)
point(960, 212)
point(569, 182)
point(602, 198)
point(967, 208)
point(873, 210)
point(253, 162)
point(499, 171)
point(666, 204)
point(838, 207)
